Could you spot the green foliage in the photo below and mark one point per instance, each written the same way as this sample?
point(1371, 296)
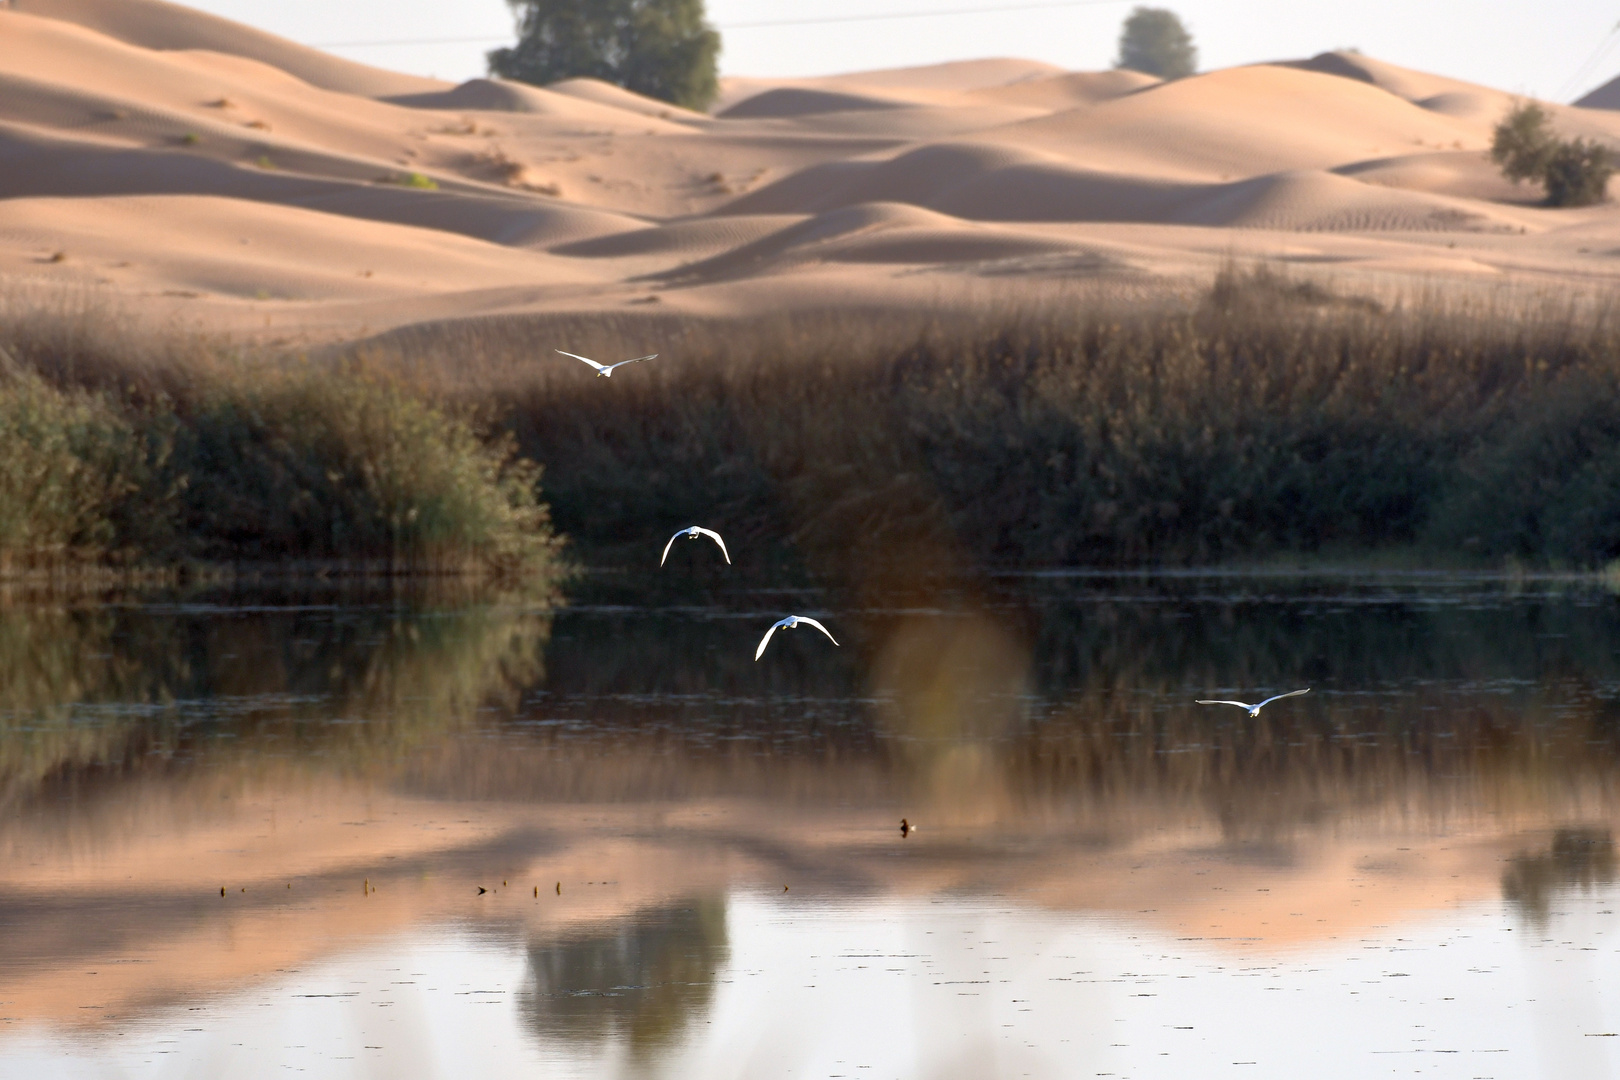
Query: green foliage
point(1578, 173)
point(73, 470)
point(108, 460)
point(1545, 483)
point(419, 181)
point(1522, 142)
point(1154, 41)
point(318, 464)
point(660, 48)
point(1574, 172)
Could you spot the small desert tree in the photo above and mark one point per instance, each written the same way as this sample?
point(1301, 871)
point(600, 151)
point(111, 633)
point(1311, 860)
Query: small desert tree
point(1154, 41)
point(661, 48)
point(1578, 173)
point(1574, 172)
point(1523, 143)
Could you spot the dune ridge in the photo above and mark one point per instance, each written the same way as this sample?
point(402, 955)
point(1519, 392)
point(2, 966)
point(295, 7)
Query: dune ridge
point(154, 24)
point(132, 130)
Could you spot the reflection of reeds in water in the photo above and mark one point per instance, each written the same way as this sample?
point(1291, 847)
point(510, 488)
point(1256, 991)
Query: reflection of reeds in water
point(89, 690)
point(1073, 703)
point(1065, 702)
point(642, 979)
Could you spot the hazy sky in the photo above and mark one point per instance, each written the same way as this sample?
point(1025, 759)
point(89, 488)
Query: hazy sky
point(1532, 48)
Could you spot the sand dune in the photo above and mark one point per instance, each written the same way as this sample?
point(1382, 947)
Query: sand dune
point(873, 232)
point(1606, 96)
point(803, 101)
point(687, 238)
point(1067, 91)
point(204, 157)
point(1310, 201)
point(230, 248)
point(1245, 122)
point(931, 83)
point(492, 95)
point(617, 97)
point(153, 24)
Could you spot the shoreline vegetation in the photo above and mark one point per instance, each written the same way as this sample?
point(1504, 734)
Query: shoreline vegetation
point(182, 458)
point(1268, 421)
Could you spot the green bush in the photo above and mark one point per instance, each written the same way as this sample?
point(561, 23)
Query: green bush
point(1574, 172)
point(1577, 173)
point(146, 452)
point(317, 464)
point(1544, 482)
point(1522, 143)
point(74, 473)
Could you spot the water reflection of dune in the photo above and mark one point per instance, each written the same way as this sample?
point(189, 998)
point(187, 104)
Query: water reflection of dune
point(1042, 737)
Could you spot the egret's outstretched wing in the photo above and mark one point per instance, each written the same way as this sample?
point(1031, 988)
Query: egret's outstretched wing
point(587, 359)
point(766, 640)
point(671, 544)
point(722, 543)
point(1239, 704)
point(1279, 697)
point(818, 626)
point(637, 360)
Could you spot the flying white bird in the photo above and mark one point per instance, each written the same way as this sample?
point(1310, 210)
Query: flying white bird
point(606, 370)
point(1254, 710)
point(790, 622)
point(692, 534)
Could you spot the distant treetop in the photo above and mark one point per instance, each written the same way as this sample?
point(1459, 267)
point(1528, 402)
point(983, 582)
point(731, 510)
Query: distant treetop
point(1154, 41)
point(661, 48)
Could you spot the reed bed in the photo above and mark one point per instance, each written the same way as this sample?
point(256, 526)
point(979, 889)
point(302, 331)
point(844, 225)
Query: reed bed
point(1269, 416)
point(1266, 417)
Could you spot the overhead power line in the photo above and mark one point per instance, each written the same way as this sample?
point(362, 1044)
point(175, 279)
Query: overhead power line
point(1577, 80)
point(937, 13)
point(885, 16)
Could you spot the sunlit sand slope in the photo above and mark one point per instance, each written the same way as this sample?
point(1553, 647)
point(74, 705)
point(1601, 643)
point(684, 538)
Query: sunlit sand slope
point(205, 169)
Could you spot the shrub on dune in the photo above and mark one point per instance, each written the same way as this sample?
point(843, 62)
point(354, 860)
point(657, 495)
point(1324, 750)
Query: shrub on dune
point(1574, 172)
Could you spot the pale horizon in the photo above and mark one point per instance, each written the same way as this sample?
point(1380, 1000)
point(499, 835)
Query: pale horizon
point(1506, 44)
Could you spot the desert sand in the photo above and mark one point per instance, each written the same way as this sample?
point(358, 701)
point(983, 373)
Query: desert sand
point(191, 169)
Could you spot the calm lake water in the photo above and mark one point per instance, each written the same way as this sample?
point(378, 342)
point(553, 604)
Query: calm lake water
point(374, 835)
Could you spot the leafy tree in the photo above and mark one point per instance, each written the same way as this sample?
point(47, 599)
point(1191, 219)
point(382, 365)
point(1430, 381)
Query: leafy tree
point(1574, 172)
point(1522, 143)
point(661, 48)
point(1154, 41)
point(1578, 173)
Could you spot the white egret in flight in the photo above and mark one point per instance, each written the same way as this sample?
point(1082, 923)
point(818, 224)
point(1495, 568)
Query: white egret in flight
point(1254, 710)
point(606, 370)
point(790, 622)
point(692, 534)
